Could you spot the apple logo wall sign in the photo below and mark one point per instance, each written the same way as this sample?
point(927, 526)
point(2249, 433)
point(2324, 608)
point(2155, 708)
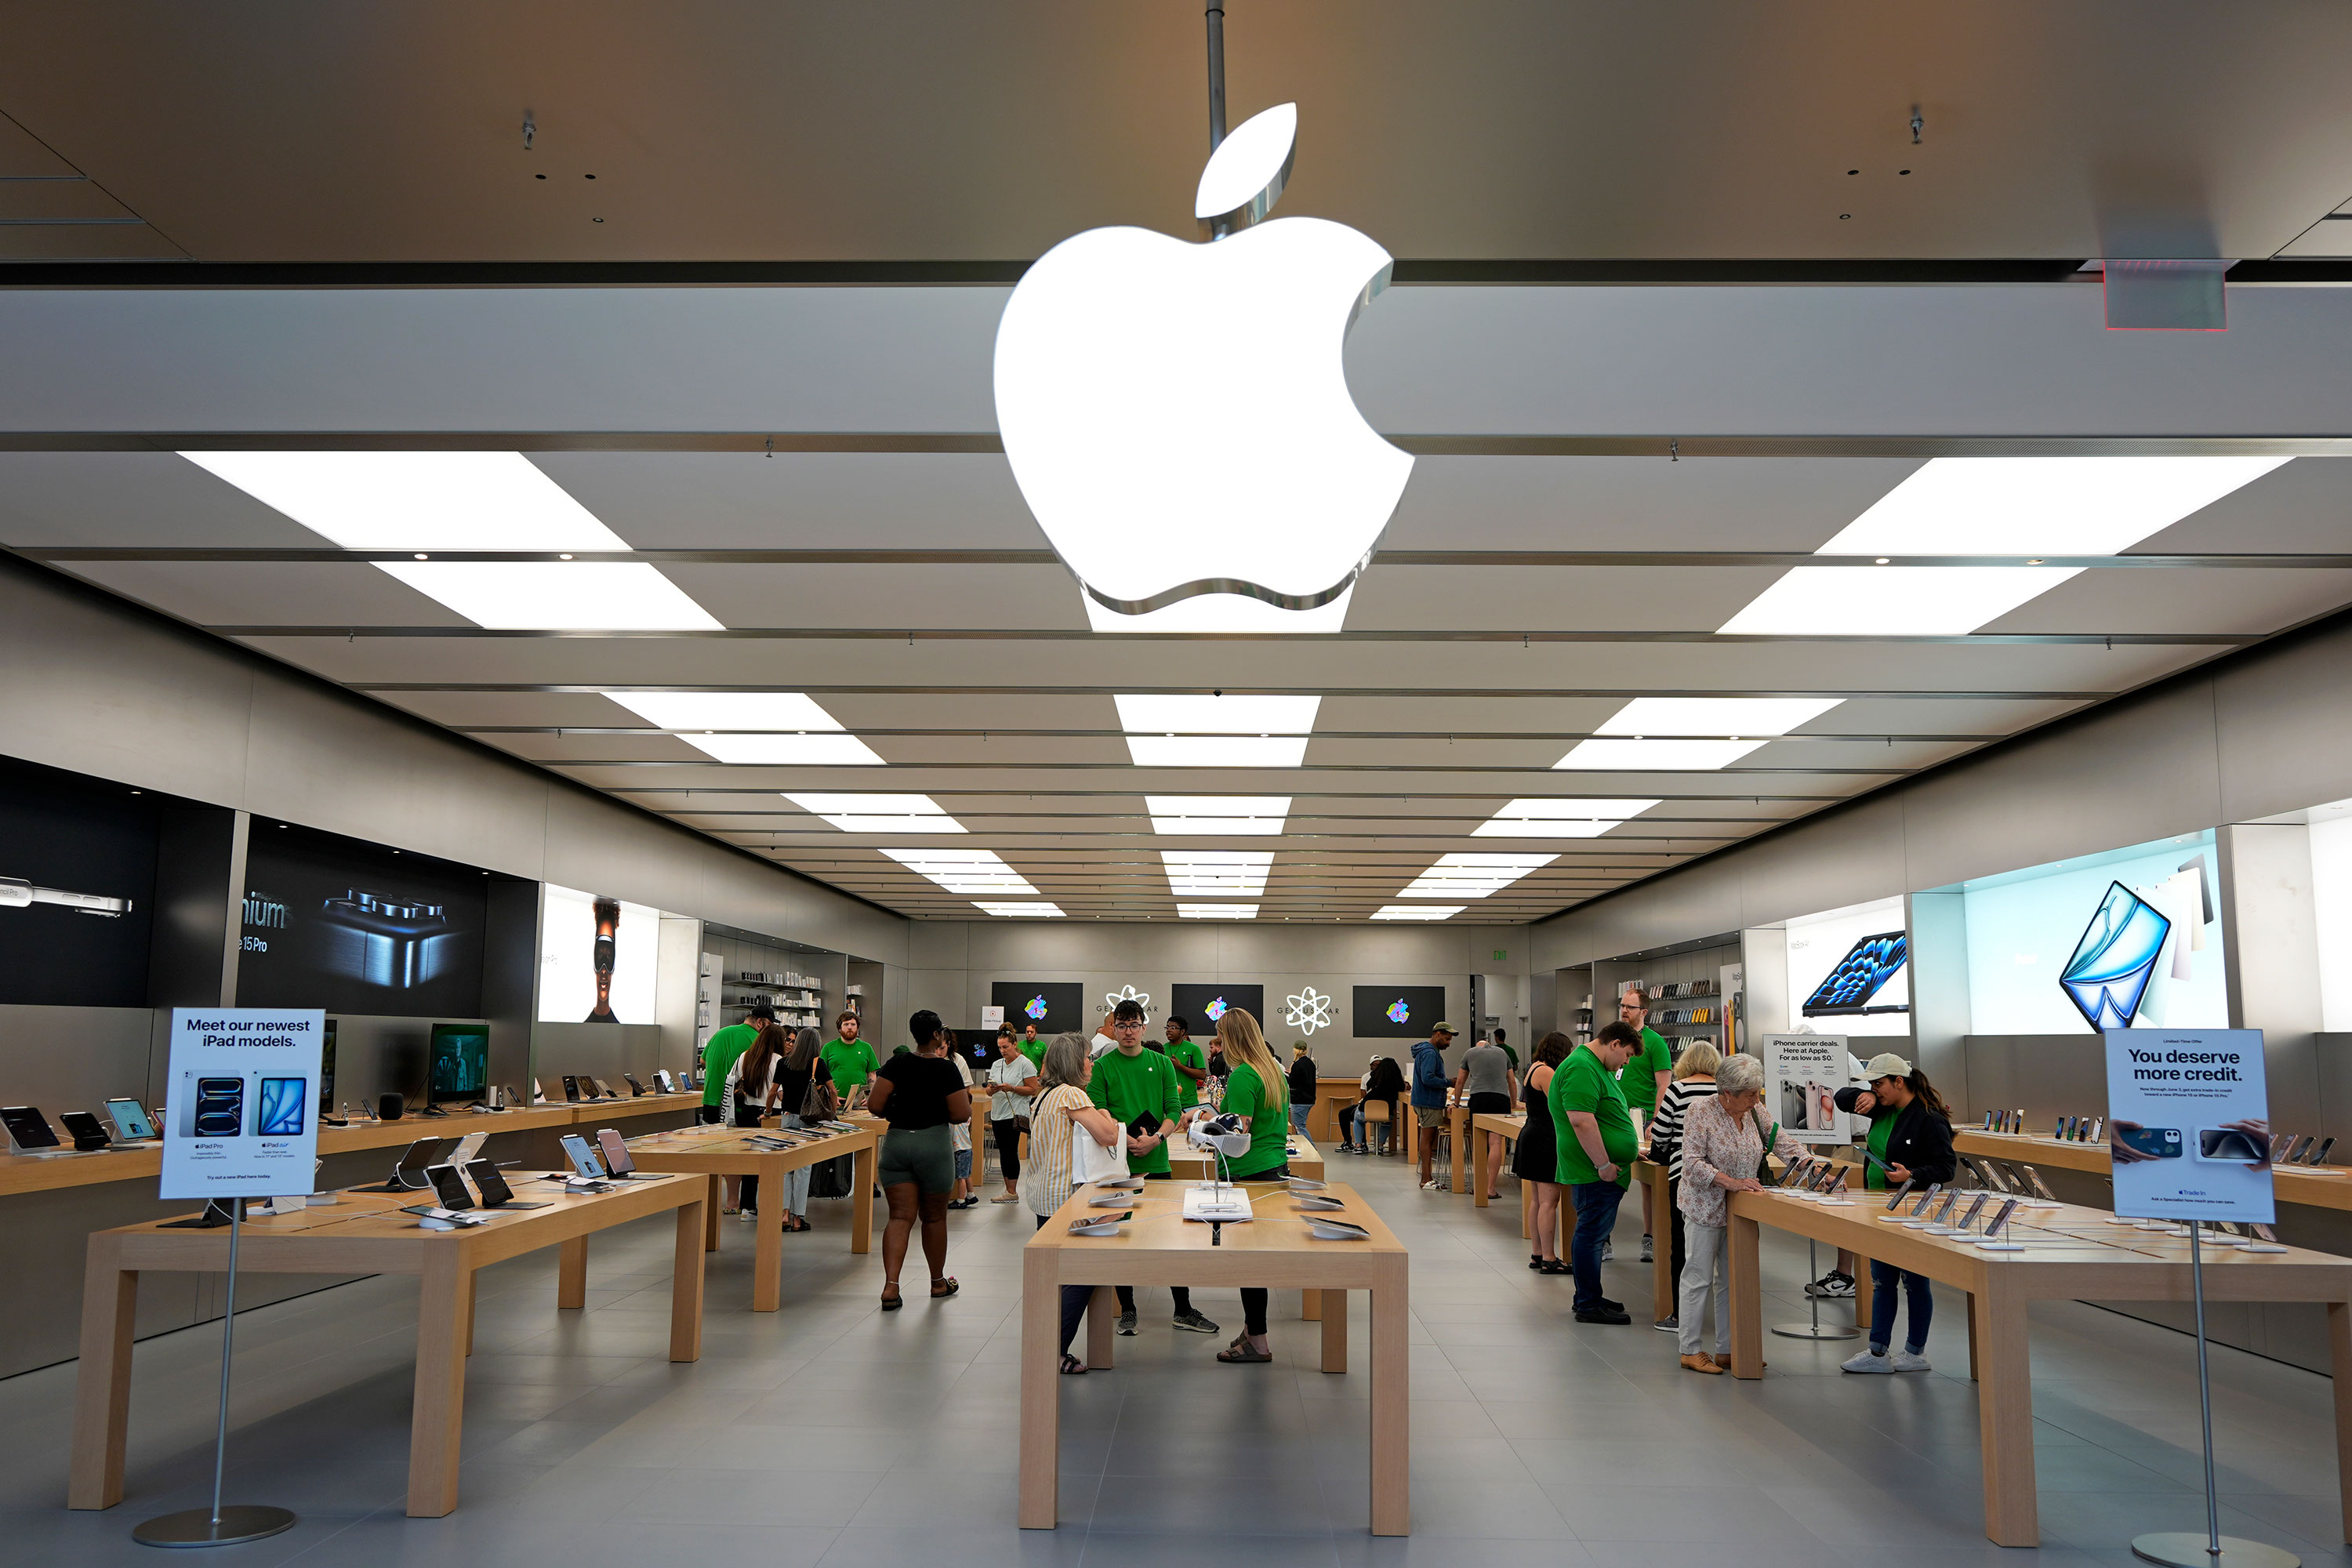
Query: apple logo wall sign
point(1178, 418)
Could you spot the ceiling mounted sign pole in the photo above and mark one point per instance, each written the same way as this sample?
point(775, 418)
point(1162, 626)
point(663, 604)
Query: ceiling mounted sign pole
point(1216, 13)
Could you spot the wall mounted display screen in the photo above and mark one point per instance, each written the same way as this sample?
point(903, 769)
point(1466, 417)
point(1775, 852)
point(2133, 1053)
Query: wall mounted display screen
point(597, 959)
point(349, 927)
point(1202, 1006)
point(1399, 1012)
point(2331, 910)
point(76, 889)
point(1850, 970)
point(458, 1069)
point(2124, 939)
point(1056, 1007)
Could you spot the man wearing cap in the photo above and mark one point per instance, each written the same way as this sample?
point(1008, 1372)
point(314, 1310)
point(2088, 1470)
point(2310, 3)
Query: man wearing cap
point(1428, 1095)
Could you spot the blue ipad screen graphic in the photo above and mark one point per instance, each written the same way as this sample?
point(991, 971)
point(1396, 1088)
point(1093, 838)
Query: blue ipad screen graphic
point(283, 1102)
point(2114, 959)
point(1860, 975)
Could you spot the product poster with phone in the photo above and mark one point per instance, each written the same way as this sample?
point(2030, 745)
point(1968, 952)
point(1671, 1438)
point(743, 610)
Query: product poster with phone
point(2189, 1124)
point(1802, 1073)
point(241, 1099)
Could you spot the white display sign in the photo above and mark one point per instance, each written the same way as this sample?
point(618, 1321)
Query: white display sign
point(598, 959)
point(992, 1017)
point(1802, 1073)
point(242, 1102)
point(2189, 1124)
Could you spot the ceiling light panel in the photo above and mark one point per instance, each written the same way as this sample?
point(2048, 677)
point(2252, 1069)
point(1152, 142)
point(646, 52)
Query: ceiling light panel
point(1193, 731)
point(1559, 818)
point(1020, 912)
point(1418, 911)
point(415, 500)
point(879, 813)
point(801, 733)
point(1211, 873)
point(1473, 876)
point(1714, 716)
point(1656, 756)
point(551, 595)
point(1986, 506)
point(1251, 815)
point(1216, 911)
point(965, 872)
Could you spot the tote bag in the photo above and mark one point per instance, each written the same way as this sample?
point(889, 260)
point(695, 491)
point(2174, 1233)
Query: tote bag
point(1090, 1162)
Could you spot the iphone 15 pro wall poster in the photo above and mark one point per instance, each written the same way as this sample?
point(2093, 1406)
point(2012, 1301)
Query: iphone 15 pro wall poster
point(332, 922)
point(240, 1085)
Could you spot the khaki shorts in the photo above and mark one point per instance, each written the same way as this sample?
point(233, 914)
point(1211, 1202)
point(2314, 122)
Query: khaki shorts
point(1429, 1115)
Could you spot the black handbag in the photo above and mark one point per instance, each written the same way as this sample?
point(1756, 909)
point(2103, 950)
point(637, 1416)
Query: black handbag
point(830, 1178)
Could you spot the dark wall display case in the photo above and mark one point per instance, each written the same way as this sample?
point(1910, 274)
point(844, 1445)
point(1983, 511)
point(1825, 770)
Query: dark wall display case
point(354, 928)
point(76, 889)
point(1398, 1012)
point(1056, 1007)
point(1202, 1006)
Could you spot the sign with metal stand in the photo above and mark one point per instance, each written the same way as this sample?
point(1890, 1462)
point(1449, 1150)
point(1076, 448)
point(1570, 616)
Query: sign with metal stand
point(241, 1123)
point(2189, 1134)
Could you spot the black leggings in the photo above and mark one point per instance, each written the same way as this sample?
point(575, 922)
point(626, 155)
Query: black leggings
point(747, 1114)
point(1254, 1301)
point(1074, 1302)
point(1008, 1148)
point(1183, 1293)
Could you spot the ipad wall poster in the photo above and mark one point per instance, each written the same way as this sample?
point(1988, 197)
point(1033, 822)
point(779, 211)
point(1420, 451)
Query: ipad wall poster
point(242, 1094)
point(1802, 1073)
point(2189, 1124)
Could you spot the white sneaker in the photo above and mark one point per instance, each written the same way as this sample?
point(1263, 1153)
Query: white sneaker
point(1648, 1256)
point(1608, 1249)
point(1868, 1361)
point(1904, 1361)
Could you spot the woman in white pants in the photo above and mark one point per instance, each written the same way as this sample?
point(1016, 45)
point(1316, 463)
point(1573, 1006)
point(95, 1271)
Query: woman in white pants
point(1722, 1148)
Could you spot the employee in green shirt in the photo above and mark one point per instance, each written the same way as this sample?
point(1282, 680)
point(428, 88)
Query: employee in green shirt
point(1643, 1080)
point(1032, 1046)
point(1132, 1084)
point(719, 1052)
point(849, 1060)
point(1257, 1092)
point(1594, 1134)
point(1191, 1064)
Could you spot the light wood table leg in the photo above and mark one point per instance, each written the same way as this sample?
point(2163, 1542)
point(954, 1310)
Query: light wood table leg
point(1478, 1198)
point(1392, 1411)
point(1041, 1395)
point(710, 1206)
point(1334, 1305)
point(110, 1303)
point(1458, 1121)
point(1746, 1301)
point(571, 1275)
point(472, 1291)
point(686, 1285)
point(1310, 1306)
point(2005, 1418)
point(768, 1245)
point(1976, 1344)
point(861, 1201)
point(2339, 1360)
point(437, 1412)
point(1102, 1327)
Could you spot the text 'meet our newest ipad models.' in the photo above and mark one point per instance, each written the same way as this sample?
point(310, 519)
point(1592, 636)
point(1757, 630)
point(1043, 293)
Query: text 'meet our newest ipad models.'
point(2229, 1145)
point(493, 1188)
point(2161, 1143)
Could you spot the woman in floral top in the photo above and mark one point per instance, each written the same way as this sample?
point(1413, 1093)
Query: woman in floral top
point(1722, 1147)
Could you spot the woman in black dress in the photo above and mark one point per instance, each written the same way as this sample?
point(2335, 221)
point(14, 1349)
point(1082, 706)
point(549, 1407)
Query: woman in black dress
point(1536, 1160)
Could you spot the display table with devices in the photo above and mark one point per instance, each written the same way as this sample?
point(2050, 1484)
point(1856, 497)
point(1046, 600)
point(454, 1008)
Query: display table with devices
point(713, 1153)
point(1143, 1238)
point(2316, 1186)
point(365, 1233)
point(2046, 1252)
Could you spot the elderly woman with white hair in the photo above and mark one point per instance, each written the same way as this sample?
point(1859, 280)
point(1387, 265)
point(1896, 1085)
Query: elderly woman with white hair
point(1722, 1148)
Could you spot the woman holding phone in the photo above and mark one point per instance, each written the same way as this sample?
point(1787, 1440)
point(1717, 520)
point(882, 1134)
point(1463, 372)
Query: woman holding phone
point(1911, 1140)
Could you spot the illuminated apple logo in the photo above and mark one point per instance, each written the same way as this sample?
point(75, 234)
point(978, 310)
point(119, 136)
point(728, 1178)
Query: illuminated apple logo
point(1398, 1013)
point(1178, 418)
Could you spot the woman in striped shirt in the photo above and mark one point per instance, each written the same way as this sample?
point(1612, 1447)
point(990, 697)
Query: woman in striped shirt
point(1694, 1081)
point(1062, 1113)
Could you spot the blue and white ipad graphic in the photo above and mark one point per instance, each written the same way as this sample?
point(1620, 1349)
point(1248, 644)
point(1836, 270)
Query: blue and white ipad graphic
point(2116, 958)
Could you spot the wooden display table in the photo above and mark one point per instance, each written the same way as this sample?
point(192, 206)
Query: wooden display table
point(715, 1152)
point(1187, 1163)
point(366, 1234)
point(2072, 1254)
point(1159, 1247)
point(1331, 1096)
point(2289, 1184)
point(1457, 1122)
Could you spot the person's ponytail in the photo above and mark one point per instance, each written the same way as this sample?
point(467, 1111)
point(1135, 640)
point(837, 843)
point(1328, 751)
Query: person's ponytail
point(1925, 1093)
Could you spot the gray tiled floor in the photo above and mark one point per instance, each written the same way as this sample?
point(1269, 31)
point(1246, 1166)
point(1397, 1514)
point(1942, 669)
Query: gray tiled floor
point(831, 1434)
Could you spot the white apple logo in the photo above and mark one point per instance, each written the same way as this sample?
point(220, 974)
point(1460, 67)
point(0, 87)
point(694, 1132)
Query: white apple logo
point(1178, 418)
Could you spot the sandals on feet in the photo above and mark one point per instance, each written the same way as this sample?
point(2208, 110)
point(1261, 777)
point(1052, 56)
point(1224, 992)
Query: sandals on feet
point(1072, 1366)
point(951, 1287)
point(891, 1299)
point(1241, 1351)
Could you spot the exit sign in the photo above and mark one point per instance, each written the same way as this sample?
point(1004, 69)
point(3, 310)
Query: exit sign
point(1500, 954)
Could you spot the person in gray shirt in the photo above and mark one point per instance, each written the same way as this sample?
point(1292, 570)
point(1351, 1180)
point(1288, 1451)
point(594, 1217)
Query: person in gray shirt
point(1487, 1083)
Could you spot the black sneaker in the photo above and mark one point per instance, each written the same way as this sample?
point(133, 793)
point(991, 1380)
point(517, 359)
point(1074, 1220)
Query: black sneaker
point(1668, 1325)
point(1191, 1319)
point(1126, 1324)
point(1604, 1313)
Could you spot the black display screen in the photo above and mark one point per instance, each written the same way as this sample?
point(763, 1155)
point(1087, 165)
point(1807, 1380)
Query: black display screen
point(1398, 1012)
point(1056, 1007)
point(76, 889)
point(1202, 1006)
point(460, 1065)
point(334, 923)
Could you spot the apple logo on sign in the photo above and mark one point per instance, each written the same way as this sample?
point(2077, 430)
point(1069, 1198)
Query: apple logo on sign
point(1178, 418)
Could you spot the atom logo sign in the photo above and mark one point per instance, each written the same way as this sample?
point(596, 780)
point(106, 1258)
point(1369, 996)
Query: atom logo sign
point(1217, 1009)
point(1035, 1008)
point(1308, 1011)
point(1398, 1013)
point(1128, 994)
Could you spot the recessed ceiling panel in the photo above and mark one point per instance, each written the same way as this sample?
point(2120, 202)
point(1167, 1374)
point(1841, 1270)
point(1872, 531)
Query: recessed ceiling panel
point(801, 501)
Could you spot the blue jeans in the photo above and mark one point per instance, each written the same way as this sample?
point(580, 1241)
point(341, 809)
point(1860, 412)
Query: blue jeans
point(1298, 1114)
point(1596, 1216)
point(1883, 1277)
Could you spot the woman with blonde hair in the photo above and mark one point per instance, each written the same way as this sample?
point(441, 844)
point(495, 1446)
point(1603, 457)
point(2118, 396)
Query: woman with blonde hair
point(1258, 1093)
point(1694, 1081)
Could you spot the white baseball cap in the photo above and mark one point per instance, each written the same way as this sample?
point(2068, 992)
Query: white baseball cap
point(1885, 1064)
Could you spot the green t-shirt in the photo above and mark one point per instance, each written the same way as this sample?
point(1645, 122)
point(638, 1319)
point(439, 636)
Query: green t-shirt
point(851, 1063)
point(720, 1053)
point(1034, 1050)
point(1510, 1053)
point(1582, 1083)
point(1638, 1076)
point(1882, 1126)
point(1187, 1052)
point(1269, 1120)
point(1127, 1087)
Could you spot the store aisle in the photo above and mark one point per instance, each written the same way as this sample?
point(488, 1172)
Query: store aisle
point(833, 1434)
